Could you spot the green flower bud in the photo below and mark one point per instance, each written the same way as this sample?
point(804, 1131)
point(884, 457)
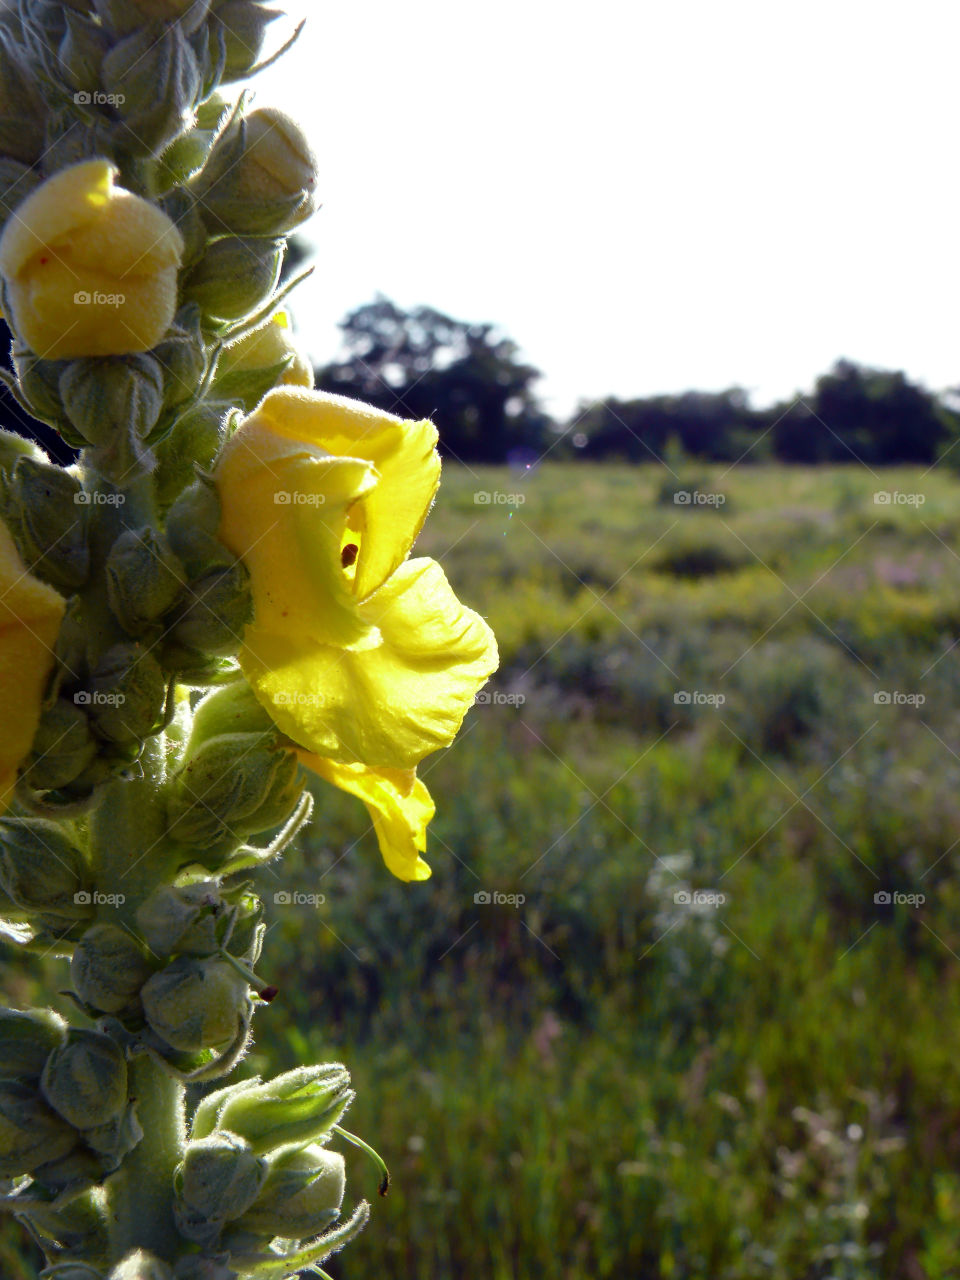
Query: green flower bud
point(218, 1180)
point(41, 869)
point(30, 1133)
point(144, 579)
point(232, 709)
point(85, 1079)
point(140, 1266)
point(26, 1041)
point(73, 1226)
point(235, 276)
point(13, 447)
point(81, 52)
point(186, 156)
point(220, 606)
point(106, 396)
point(196, 1003)
point(192, 525)
point(108, 968)
point(128, 692)
point(115, 1139)
point(78, 1169)
point(40, 383)
point(243, 24)
point(194, 441)
point(45, 513)
point(302, 1194)
point(182, 919)
point(180, 206)
point(157, 80)
point(71, 141)
point(261, 178)
point(182, 357)
point(232, 786)
point(62, 747)
point(294, 1109)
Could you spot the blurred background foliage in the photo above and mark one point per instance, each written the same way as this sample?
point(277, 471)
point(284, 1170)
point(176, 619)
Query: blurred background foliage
point(602, 1080)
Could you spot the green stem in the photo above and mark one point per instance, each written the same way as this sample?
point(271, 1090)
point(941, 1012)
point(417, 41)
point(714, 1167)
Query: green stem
point(140, 1193)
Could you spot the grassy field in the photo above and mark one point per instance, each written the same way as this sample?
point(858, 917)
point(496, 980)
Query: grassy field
point(719, 1037)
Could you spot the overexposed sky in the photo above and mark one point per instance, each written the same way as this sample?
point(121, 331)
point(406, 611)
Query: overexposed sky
point(647, 196)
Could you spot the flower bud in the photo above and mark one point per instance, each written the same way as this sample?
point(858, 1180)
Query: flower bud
point(62, 747)
point(182, 919)
point(220, 606)
point(144, 579)
point(30, 1133)
point(232, 709)
point(218, 1180)
point(128, 692)
point(192, 524)
point(47, 522)
point(85, 1079)
point(114, 404)
point(156, 79)
point(182, 357)
point(261, 178)
point(127, 15)
point(78, 1169)
point(108, 968)
point(243, 25)
point(196, 1003)
point(194, 442)
point(235, 275)
point(89, 268)
point(294, 1109)
point(302, 1194)
point(26, 1041)
point(140, 1266)
point(40, 383)
point(115, 1139)
point(21, 112)
point(13, 447)
point(265, 358)
point(40, 868)
point(231, 787)
point(81, 52)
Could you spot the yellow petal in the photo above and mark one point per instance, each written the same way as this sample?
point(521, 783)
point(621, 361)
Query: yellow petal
point(30, 615)
point(400, 808)
point(390, 703)
point(403, 452)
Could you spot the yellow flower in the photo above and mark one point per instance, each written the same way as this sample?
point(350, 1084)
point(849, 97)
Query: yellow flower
point(359, 655)
point(399, 805)
point(268, 346)
point(90, 269)
point(30, 615)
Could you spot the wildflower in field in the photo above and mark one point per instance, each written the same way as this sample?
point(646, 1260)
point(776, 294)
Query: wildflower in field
point(89, 269)
point(360, 655)
point(30, 615)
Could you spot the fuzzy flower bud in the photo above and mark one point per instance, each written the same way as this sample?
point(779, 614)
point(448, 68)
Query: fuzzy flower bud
point(268, 357)
point(40, 868)
point(235, 275)
point(30, 1133)
point(294, 1109)
point(218, 1180)
point(62, 748)
point(128, 690)
point(140, 1266)
point(108, 968)
point(108, 397)
point(220, 606)
point(144, 579)
point(302, 1194)
point(156, 80)
point(196, 1003)
point(243, 24)
point(261, 178)
point(182, 919)
point(194, 442)
point(127, 15)
point(192, 524)
point(46, 518)
point(89, 268)
point(26, 1041)
point(85, 1079)
point(81, 53)
point(182, 358)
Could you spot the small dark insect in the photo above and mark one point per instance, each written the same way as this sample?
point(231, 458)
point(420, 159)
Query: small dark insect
point(384, 1186)
point(349, 554)
point(268, 993)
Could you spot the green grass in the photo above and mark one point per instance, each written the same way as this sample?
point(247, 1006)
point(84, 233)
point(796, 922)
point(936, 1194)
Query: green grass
point(603, 1081)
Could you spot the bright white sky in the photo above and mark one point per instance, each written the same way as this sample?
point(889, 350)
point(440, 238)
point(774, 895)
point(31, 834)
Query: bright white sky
point(647, 196)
